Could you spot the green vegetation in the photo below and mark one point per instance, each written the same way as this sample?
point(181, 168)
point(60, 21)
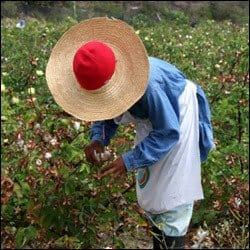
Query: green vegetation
point(50, 197)
point(235, 11)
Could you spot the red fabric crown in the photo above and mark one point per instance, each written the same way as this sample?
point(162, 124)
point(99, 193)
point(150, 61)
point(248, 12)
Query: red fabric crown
point(93, 65)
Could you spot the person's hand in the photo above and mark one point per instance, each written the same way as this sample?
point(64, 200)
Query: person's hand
point(92, 150)
point(116, 169)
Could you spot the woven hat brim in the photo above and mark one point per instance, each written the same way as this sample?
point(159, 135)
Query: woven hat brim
point(127, 84)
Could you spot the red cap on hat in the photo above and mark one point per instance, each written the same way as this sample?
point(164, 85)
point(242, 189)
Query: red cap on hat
point(93, 65)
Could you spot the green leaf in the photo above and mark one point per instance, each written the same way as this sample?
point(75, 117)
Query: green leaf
point(118, 243)
point(84, 168)
point(29, 116)
point(81, 217)
point(25, 187)
point(64, 171)
point(92, 228)
point(17, 190)
point(70, 153)
point(49, 217)
point(101, 206)
point(24, 235)
point(70, 187)
point(68, 242)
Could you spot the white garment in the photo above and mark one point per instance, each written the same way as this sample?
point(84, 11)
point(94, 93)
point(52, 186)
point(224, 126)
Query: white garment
point(176, 179)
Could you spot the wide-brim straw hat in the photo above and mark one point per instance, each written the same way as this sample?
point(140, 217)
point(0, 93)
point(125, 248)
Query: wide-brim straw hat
point(125, 88)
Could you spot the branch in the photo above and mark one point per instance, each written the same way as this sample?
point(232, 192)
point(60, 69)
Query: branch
point(117, 197)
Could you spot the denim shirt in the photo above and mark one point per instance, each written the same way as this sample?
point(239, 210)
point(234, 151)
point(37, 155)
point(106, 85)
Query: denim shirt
point(159, 104)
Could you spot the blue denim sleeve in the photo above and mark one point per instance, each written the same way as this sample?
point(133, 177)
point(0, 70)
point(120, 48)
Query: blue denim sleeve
point(164, 135)
point(103, 131)
point(206, 142)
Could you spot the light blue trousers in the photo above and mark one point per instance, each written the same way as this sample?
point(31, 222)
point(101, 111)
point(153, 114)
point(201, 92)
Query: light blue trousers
point(174, 222)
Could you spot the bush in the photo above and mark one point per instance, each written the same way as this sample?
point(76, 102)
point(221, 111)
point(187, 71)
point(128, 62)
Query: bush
point(226, 11)
point(9, 9)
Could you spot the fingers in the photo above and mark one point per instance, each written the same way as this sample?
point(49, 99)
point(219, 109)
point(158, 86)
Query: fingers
point(108, 170)
point(90, 156)
point(116, 171)
point(92, 151)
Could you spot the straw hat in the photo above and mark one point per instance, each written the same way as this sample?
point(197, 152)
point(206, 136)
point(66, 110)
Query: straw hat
point(98, 69)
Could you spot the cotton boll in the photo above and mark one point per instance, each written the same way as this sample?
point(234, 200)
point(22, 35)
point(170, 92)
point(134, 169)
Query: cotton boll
point(37, 126)
point(39, 72)
point(14, 100)
point(31, 91)
point(48, 155)
point(3, 118)
point(53, 142)
point(105, 156)
point(3, 88)
point(201, 235)
point(47, 137)
point(39, 162)
point(77, 125)
point(20, 143)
